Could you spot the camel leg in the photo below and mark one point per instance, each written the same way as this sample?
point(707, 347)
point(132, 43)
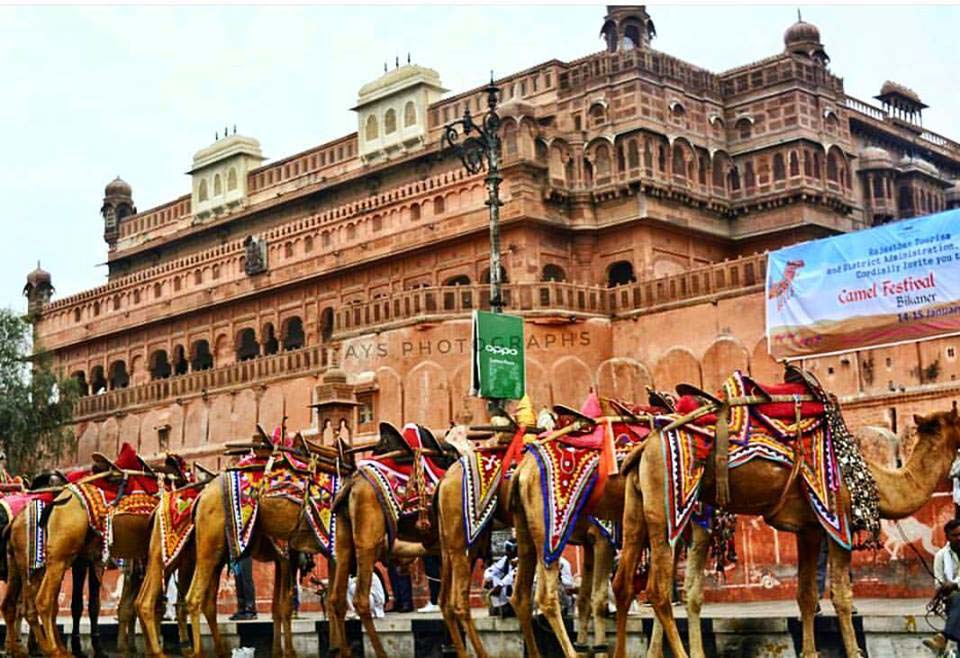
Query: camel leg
point(808, 551)
point(585, 597)
point(184, 575)
point(337, 596)
point(693, 586)
point(66, 537)
point(366, 557)
point(49, 640)
point(149, 595)
point(78, 574)
point(11, 608)
point(634, 538)
point(451, 582)
point(548, 601)
point(31, 583)
point(126, 617)
point(602, 563)
point(659, 587)
point(523, 583)
point(93, 608)
point(210, 553)
point(210, 612)
point(841, 594)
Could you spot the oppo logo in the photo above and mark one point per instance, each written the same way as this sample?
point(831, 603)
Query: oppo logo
point(503, 351)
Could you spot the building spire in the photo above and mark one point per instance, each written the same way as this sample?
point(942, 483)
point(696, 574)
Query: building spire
point(799, 17)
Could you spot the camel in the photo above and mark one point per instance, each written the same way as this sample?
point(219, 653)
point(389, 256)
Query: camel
point(211, 556)
point(527, 503)
point(155, 578)
point(362, 539)
point(755, 488)
point(20, 595)
point(457, 562)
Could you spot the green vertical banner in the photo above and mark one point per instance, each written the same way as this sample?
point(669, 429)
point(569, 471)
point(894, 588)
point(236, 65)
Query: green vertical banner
point(498, 368)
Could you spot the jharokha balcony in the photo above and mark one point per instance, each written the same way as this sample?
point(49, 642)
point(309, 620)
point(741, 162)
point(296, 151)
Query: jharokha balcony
point(435, 304)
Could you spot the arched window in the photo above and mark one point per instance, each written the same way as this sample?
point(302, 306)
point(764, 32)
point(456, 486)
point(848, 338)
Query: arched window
point(308, 244)
point(136, 297)
point(702, 177)
point(832, 169)
point(231, 179)
point(371, 131)
point(326, 324)
point(351, 232)
point(553, 272)
point(540, 151)
point(159, 365)
point(81, 378)
point(409, 114)
point(459, 280)
point(200, 356)
point(719, 164)
point(98, 383)
point(620, 273)
point(414, 211)
point(197, 277)
point(597, 115)
point(631, 37)
point(157, 290)
point(734, 178)
point(119, 378)
point(116, 302)
point(877, 184)
point(603, 160)
point(587, 172)
point(293, 337)
point(180, 364)
point(202, 190)
point(96, 309)
point(247, 347)
point(270, 343)
point(176, 284)
point(438, 206)
point(215, 272)
point(647, 156)
point(816, 165)
point(389, 122)
point(661, 159)
point(905, 202)
point(633, 154)
point(744, 127)
point(749, 178)
point(217, 185)
point(288, 250)
point(485, 275)
point(779, 167)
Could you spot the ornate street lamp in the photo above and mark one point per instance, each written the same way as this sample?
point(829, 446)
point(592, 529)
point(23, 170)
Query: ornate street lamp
point(478, 147)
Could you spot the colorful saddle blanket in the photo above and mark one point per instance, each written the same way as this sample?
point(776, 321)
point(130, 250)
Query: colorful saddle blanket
point(483, 472)
point(569, 476)
point(243, 486)
point(175, 514)
point(395, 484)
point(765, 431)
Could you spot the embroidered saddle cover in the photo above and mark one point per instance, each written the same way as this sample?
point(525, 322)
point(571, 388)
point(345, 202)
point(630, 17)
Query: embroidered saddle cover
point(766, 431)
point(572, 477)
point(394, 482)
point(483, 473)
point(286, 480)
point(175, 515)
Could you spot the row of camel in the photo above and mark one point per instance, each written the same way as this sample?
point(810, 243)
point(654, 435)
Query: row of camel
point(634, 497)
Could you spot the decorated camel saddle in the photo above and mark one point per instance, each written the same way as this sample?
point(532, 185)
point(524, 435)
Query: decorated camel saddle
point(124, 486)
point(282, 467)
point(31, 500)
point(795, 423)
point(576, 460)
point(175, 513)
point(404, 470)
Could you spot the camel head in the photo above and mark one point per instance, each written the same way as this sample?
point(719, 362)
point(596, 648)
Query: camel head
point(940, 427)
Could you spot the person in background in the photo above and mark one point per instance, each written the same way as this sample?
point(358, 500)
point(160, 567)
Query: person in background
point(498, 580)
point(246, 592)
point(378, 595)
point(431, 567)
point(402, 590)
point(568, 586)
point(946, 574)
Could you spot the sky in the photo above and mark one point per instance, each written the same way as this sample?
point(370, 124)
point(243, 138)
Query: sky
point(90, 93)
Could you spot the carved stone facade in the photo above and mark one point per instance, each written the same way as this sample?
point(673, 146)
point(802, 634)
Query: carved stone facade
point(640, 192)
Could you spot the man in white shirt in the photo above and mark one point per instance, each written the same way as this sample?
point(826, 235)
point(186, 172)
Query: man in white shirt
point(946, 572)
point(568, 586)
point(498, 579)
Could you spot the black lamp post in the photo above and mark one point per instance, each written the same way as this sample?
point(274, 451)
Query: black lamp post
point(478, 147)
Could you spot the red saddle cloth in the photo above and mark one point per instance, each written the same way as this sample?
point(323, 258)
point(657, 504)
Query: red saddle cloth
point(777, 410)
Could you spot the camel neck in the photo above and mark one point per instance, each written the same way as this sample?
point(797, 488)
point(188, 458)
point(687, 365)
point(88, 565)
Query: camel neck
point(905, 490)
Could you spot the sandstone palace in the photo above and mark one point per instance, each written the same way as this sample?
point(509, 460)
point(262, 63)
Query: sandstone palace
point(640, 195)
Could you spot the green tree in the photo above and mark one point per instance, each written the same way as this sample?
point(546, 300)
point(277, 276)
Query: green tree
point(36, 405)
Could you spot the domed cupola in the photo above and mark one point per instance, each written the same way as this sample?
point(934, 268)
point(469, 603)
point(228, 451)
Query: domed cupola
point(38, 290)
point(626, 27)
point(803, 38)
point(874, 157)
point(117, 204)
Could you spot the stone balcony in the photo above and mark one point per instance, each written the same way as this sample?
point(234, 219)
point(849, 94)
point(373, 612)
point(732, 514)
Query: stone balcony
point(436, 304)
